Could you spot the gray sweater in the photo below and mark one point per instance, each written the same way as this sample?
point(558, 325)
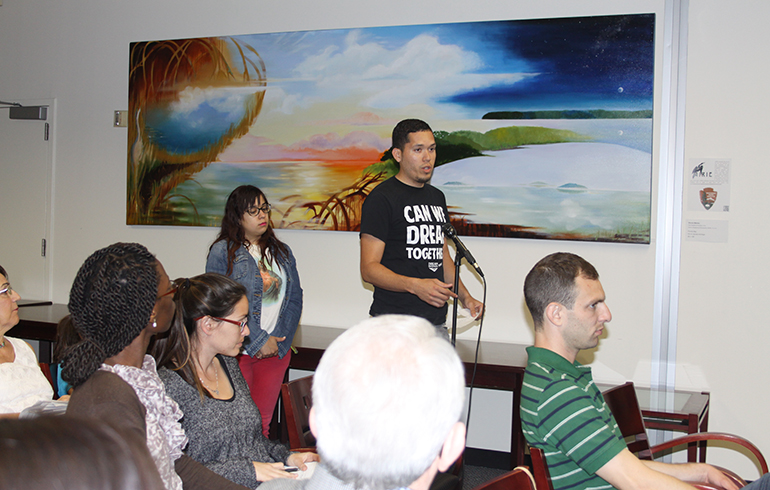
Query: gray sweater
point(225, 435)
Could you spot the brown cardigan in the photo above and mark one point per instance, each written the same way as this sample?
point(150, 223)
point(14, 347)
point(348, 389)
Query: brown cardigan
point(105, 396)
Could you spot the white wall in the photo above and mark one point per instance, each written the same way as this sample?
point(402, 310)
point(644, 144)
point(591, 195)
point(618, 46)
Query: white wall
point(77, 53)
point(722, 346)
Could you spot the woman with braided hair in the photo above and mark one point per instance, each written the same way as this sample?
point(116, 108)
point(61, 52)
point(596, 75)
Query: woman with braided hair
point(198, 366)
point(120, 298)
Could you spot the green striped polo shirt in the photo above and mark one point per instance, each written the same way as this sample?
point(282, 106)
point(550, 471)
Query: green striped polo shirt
point(563, 413)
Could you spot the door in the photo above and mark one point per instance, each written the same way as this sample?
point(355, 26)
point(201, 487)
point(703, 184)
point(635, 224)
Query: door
point(25, 201)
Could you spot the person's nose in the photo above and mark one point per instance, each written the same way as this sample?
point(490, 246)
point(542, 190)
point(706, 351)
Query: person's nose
point(606, 316)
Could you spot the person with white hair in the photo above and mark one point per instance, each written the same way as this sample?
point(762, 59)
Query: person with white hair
point(388, 395)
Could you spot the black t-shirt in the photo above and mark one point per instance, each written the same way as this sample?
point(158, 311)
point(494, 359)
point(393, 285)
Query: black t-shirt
point(408, 220)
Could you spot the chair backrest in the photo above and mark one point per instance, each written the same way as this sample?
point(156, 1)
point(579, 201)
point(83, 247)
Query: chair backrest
point(624, 406)
point(46, 369)
point(297, 397)
point(516, 479)
point(540, 469)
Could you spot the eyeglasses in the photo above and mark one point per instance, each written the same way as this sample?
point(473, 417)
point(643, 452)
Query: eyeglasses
point(7, 290)
point(254, 210)
point(242, 324)
point(173, 290)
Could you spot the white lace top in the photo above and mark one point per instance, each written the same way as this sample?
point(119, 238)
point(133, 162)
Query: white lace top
point(22, 383)
point(165, 436)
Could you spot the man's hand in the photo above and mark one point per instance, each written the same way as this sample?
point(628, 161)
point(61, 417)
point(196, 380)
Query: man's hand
point(694, 472)
point(432, 291)
point(712, 475)
point(270, 348)
point(626, 472)
point(475, 306)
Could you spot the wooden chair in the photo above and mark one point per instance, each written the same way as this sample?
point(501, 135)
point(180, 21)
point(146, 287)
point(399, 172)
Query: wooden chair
point(540, 469)
point(624, 406)
point(46, 369)
point(517, 479)
point(297, 398)
point(543, 477)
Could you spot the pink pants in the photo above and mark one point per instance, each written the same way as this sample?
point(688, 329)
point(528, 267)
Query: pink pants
point(264, 377)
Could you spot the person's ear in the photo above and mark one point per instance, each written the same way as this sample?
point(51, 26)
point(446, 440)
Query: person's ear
point(453, 447)
point(554, 313)
point(311, 422)
point(397, 155)
point(205, 325)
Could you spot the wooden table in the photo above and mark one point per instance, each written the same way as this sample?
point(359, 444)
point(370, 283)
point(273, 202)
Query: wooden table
point(500, 367)
point(39, 323)
point(677, 410)
point(33, 302)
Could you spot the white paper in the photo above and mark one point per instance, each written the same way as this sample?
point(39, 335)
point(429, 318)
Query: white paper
point(705, 230)
point(709, 185)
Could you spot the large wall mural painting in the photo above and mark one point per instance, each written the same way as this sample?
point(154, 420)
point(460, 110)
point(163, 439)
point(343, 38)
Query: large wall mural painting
point(544, 127)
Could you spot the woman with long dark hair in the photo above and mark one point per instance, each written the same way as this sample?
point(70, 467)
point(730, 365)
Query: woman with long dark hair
point(248, 251)
point(200, 372)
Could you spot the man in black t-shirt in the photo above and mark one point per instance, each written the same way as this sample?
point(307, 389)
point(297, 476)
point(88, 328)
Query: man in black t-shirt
point(403, 251)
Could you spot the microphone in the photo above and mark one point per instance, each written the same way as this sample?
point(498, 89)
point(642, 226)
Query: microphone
point(450, 232)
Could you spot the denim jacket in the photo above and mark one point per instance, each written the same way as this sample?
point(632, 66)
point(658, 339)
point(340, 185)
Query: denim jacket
point(246, 272)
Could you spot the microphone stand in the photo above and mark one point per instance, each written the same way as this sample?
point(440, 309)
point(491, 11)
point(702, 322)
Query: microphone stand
point(455, 289)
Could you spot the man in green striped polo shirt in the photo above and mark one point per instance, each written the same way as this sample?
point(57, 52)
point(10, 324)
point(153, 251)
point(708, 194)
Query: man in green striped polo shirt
point(562, 410)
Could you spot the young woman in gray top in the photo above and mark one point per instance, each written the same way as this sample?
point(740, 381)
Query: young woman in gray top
point(198, 368)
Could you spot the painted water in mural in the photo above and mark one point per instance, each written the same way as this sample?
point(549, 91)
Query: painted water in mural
point(543, 127)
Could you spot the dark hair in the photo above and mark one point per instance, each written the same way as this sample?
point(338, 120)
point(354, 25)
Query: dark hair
point(111, 302)
point(238, 202)
point(208, 294)
point(552, 280)
point(66, 337)
point(2, 271)
point(401, 132)
point(67, 452)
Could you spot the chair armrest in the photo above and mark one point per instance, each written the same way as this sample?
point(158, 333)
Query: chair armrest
point(704, 486)
point(714, 436)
